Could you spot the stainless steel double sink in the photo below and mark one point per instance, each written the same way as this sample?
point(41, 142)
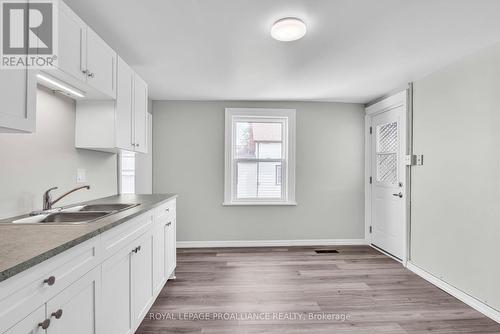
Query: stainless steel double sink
point(82, 214)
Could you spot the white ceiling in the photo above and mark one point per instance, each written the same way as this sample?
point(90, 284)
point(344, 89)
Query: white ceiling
point(354, 51)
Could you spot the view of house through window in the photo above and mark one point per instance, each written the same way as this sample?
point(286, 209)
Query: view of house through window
point(127, 172)
point(259, 151)
point(259, 157)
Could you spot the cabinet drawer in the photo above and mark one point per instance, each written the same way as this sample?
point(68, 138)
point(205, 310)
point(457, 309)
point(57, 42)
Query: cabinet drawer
point(166, 211)
point(123, 235)
point(23, 293)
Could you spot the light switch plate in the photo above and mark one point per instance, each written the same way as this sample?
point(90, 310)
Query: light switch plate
point(81, 175)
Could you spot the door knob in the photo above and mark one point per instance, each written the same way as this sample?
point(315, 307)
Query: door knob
point(400, 195)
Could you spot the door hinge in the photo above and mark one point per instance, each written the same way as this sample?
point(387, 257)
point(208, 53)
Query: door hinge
point(414, 160)
point(370, 229)
point(371, 180)
point(371, 130)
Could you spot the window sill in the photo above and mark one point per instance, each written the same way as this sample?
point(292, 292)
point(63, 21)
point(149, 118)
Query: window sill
point(259, 204)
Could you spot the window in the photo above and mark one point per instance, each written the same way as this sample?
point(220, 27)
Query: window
point(127, 173)
point(260, 157)
point(387, 153)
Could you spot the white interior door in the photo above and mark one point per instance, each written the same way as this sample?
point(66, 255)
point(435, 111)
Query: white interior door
point(388, 170)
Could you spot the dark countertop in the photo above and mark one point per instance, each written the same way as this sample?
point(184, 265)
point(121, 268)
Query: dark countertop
point(26, 245)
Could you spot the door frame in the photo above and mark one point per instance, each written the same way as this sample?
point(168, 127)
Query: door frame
point(401, 98)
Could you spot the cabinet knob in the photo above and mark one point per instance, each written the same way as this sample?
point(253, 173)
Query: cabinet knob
point(50, 281)
point(167, 209)
point(44, 324)
point(136, 249)
point(57, 314)
point(91, 75)
point(85, 71)
point(169, 223)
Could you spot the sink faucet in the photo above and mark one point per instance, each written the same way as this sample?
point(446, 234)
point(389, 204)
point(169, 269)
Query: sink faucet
point(47, 199)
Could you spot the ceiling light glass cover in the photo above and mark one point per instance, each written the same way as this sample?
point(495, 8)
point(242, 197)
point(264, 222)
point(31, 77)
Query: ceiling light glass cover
point(288, 29)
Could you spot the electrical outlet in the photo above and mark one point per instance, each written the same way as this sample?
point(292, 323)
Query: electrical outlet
point(81, 175)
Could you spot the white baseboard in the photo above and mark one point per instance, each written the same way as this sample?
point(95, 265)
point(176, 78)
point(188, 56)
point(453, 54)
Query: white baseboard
point(271, 243)
point(459, 294)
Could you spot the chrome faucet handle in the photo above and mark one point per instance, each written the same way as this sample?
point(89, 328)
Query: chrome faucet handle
point(47, 201)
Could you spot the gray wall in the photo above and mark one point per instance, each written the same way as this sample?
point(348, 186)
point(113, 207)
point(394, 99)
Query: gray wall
point(31, 163)
point(456, 194)
point(188, 142)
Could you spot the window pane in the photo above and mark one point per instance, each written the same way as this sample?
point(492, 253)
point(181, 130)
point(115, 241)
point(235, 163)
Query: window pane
point(387, 138)
point(267, 187)
point(387, 170)
point(127, 173)
point(278, 175)
point(249, 135)
point(247, 180)
point(259, 180)
point(269, 150)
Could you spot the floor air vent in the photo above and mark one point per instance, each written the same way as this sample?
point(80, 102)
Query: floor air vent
point(326, 251)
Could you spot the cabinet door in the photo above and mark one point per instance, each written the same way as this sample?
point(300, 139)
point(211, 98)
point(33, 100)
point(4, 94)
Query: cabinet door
point(72, 42)
point(124, 106)
point(76, 309)
point(158, 256)
point(31, 324)
point(170, 248)
point(142, 276)
point(140, 114)
point(116, 294)
point(101, 64)
point(18, 97)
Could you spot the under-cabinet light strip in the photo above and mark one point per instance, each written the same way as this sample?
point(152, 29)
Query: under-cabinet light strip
point(59, 85)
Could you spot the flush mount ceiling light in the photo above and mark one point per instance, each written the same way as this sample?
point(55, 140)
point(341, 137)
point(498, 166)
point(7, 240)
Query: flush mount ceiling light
point(288, 29)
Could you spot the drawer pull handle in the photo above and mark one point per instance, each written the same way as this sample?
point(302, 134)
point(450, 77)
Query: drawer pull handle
point(50, 281)
point(136, 249)
point(57, 314)
point(44, 324)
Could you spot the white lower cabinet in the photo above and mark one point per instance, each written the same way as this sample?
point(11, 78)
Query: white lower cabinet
point(142, 276)
point(74, 310)
point(116, 294)
point(132, 264)
point(170, 248)
point(77, 308)
point(32, 324)
point(158, 257)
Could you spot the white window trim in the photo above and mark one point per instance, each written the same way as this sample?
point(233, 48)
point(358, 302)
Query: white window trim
point(289, 131)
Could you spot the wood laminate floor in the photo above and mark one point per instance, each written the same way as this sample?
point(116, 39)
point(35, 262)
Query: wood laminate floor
point(277, 290)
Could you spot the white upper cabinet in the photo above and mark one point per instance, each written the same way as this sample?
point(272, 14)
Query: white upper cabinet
point(140, 115)
point(18, 97)
point(101, 64)
point(124, 107)
point(112, 126)
point(84, 60)
point(72, 40)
